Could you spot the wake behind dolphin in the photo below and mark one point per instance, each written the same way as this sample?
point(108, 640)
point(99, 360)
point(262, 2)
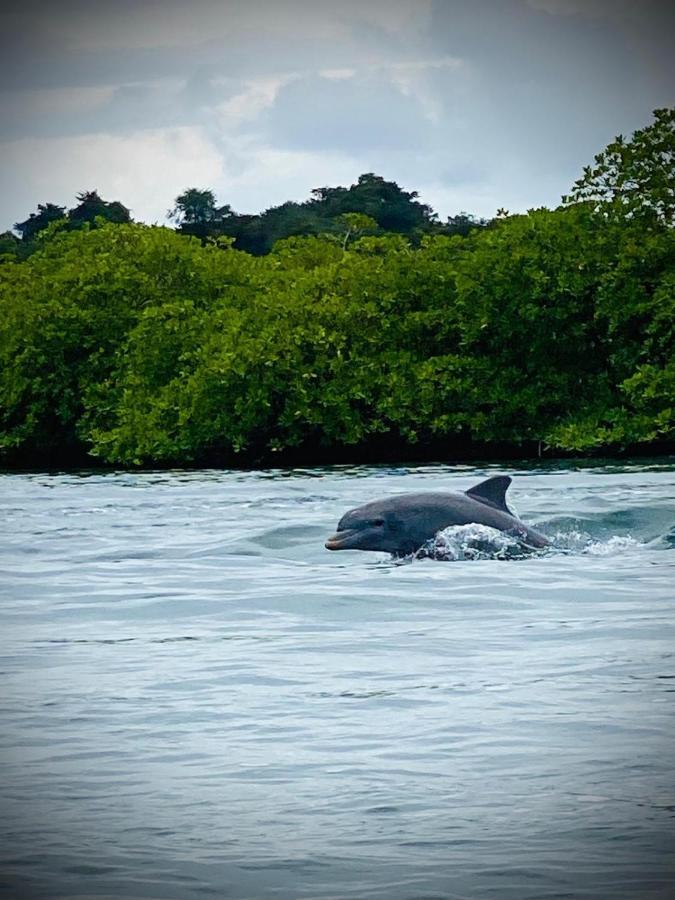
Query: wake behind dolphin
point(404, 523)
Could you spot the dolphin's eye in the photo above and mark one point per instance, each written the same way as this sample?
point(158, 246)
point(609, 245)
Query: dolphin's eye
point(377, 522)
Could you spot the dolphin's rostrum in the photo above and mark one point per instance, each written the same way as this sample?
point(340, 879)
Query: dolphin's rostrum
point(403, 523)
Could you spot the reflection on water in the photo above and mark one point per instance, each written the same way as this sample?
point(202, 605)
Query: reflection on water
point(199, 699)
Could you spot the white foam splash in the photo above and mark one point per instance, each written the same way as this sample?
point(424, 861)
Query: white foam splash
point(470, 542)
point(612, 547)
point(581, 542)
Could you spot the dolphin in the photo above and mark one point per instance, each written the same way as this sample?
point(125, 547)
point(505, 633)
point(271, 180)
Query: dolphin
point(403, 523)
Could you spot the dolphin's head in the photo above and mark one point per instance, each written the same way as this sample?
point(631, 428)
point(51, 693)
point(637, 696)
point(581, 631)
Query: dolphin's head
point(371, 527)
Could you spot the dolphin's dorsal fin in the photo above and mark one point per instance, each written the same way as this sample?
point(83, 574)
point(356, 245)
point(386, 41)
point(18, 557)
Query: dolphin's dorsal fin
point(493, 492)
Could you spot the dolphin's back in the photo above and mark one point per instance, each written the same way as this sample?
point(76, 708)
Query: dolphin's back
point(419, 517)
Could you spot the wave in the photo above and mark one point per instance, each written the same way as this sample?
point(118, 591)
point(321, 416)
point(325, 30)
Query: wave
point(472, 541)
point(480, 542)
point(582, 542)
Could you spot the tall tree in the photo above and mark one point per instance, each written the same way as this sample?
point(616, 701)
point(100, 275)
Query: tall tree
point(462, 224)
point(634, 177)
point(385, 201)
point(90, 207)
point(195, 212)
point(38, 221)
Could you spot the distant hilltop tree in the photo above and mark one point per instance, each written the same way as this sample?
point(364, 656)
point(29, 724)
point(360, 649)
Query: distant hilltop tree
point(384, 201)
point(90, 206)
point(385, 204)
point(195, 212)
point(38, 221)
point(462, 224)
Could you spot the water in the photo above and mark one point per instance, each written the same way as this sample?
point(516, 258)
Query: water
point(200, 701)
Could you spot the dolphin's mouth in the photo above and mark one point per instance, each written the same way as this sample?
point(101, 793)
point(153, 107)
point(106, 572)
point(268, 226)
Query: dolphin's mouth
point(342, 540)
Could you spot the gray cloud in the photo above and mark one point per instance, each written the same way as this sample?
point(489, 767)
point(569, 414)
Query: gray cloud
point(347, 114)
point(544, 92)
point(120, 109)
point(76, 43)
point(477, 105)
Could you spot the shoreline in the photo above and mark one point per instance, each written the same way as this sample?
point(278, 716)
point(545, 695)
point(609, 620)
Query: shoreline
point(429, 454)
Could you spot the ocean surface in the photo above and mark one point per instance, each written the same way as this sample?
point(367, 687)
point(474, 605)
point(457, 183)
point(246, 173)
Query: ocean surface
point(198, 700)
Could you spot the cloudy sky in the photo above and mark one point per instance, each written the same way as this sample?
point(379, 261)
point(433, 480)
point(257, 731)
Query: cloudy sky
point(476, 104)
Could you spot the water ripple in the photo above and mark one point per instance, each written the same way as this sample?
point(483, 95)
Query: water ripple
point(200, 700)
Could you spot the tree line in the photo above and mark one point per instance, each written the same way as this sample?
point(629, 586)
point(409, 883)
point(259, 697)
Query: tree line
point(544, 332)
point(384, 205)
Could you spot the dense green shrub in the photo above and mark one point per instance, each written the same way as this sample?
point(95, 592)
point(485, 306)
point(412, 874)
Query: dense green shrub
point(66, 315)
point(138, 345)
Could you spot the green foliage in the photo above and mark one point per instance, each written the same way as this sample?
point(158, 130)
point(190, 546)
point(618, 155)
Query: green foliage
point(91, 207)
point(392, 208)
point(461, 224)
point(635, 177)
point(90, 211)
point(195, 212)
point(194, 207)
point(9, 245)
point(66, 316)
point(354, 224)
point(140, 345)
point(383, 204)
point(37, 222)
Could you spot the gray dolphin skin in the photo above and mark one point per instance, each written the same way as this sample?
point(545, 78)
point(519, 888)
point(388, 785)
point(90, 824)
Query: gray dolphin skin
point(403, 523)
